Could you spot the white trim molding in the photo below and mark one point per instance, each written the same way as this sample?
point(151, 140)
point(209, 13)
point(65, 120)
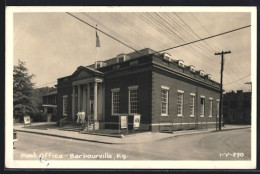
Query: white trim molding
point(165, 87)
point(180, 91)
point(132, 87)
point(115, 90)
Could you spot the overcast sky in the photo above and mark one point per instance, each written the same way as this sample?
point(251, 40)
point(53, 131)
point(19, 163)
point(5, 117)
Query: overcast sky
point(53, 45)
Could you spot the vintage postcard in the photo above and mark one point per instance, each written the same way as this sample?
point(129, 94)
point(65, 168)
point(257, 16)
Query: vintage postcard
point(131, 87)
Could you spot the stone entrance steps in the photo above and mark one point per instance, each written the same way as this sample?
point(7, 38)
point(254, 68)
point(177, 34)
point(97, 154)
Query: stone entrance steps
point(71, 128)
point(74, 128)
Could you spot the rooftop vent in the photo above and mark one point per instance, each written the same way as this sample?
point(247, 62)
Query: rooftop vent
point(167, 56)
point(121, 58)
point(192, 68)
point(181, 63)
point(209, 76)
point(100, 64)
point(201, 72)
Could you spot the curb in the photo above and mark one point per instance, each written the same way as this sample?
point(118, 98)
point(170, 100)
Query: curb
point(62, 136)
point(106, 135)
point(203, 132)
point(103, 142)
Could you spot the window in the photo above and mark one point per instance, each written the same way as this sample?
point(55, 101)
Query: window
point(133, 99)
point(202, 106)
point(217, 108)
point(164, 100)
point(192, 104)
point(115, 101)
point(180, 103)
point(210, 107)
point(65, 104)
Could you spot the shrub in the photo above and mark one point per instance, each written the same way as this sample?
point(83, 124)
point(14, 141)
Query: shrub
point(40, 117)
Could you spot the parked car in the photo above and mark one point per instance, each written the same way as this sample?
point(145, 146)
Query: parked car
point(14, 137)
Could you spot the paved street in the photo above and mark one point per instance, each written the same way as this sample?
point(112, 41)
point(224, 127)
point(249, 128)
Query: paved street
point(225, 145)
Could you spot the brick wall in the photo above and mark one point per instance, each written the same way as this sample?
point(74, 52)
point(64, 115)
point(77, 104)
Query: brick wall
point(143, 81)
point(174, 122)
point(64, 89)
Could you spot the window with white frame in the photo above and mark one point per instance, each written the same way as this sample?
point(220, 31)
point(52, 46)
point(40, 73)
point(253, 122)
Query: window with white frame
point(133, 99)
point(192, 105)
point(65, 105)
point(180, 103)
point(210, 107)
point(164, 100)
point(115, 101)
point(202, 106)
point(217, 108)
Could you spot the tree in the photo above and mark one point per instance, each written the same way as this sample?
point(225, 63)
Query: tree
point(22, 91)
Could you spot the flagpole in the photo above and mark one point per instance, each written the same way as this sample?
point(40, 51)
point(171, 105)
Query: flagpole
point(96, 49)
point(97, 45)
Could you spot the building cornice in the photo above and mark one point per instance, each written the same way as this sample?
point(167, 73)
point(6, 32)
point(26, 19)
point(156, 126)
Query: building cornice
point(172, 71)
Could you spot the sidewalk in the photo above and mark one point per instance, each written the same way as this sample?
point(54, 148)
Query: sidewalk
point(128, 139)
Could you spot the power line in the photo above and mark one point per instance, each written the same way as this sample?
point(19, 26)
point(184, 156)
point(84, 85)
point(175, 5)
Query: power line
point(219, 44)
point(167, 32)
point(103, 32)
point(237, 80)
point(208, 46)
point(205, 38)
point(110, 30)
point(201, 49)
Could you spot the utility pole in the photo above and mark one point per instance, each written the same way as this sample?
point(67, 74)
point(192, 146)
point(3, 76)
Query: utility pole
point(221, 84)
point(249, 83)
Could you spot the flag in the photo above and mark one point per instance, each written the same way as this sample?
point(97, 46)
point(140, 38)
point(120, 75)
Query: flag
point(97, 40)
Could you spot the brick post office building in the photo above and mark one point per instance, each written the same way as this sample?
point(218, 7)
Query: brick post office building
point(166, 93)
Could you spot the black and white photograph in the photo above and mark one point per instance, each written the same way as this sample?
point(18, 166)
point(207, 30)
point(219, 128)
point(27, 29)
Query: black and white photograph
point(131, 87)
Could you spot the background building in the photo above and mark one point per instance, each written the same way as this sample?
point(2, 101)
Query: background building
point(50, 104)
point(167, 94)
point(237, 107)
